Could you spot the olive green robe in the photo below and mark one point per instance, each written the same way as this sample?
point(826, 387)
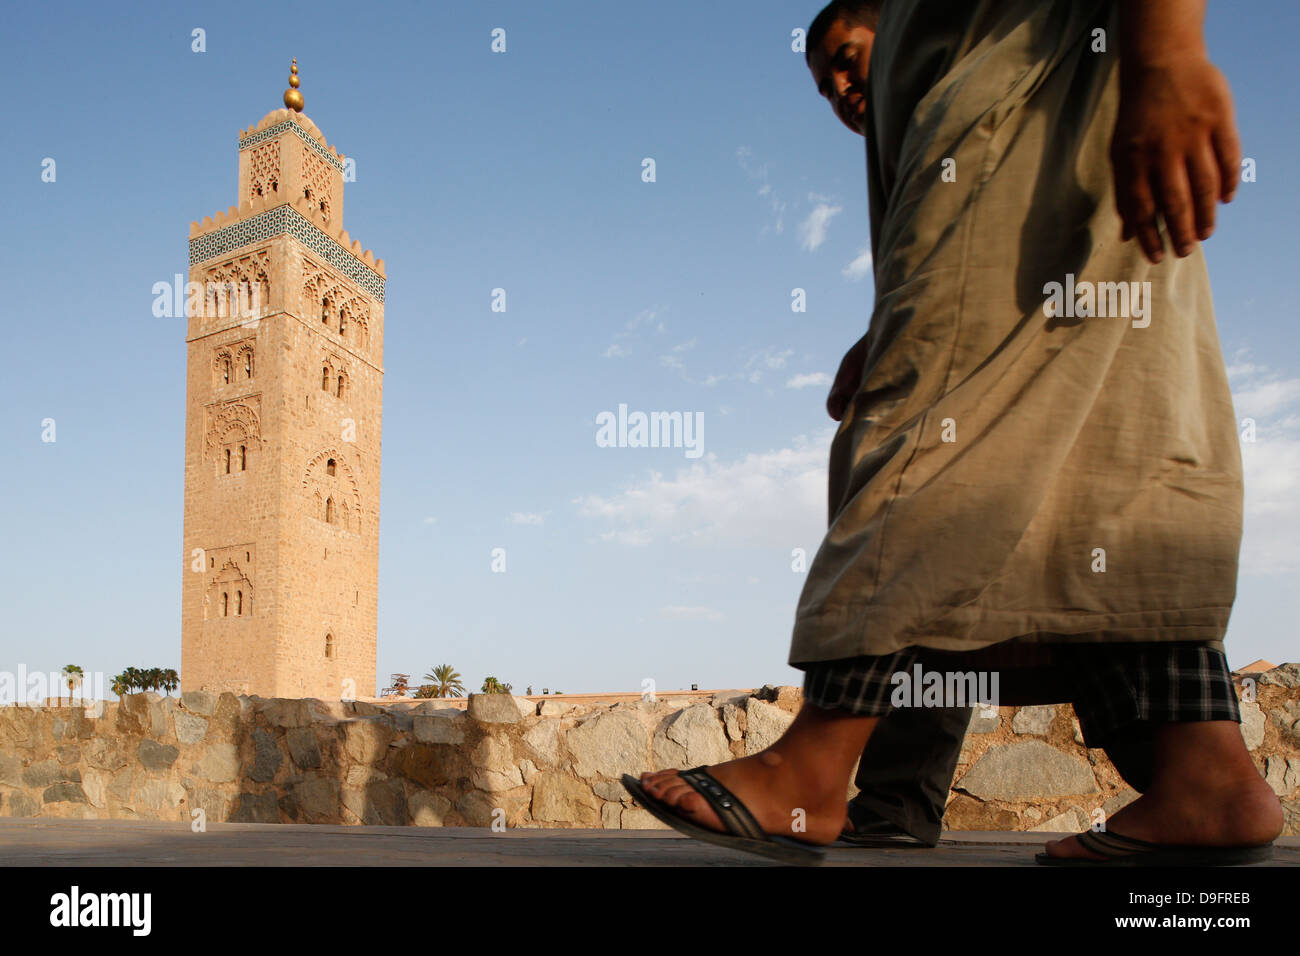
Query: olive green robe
point(1028, 455)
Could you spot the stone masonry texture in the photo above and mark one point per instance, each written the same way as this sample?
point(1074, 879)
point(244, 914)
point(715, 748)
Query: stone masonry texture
point(520, 763)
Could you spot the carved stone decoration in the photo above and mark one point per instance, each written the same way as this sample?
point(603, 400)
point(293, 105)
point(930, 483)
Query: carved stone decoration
point(329, 302)
point(238, 284)
point(264, 165)
point(233, 421)
point(319, 179)
point(340, 488)
point(231, 580)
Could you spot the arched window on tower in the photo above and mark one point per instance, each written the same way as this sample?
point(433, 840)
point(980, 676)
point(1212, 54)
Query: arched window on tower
point(225, 371)
point(227, 461)
point(243, 458)
point(331, 648)
point(248, 364)
point(343, 320)
point(329, 467)
point(329, 510)
point(239, 602)
point(325, 310)
point(325, 378)
point(225, 603)
point(340, 390)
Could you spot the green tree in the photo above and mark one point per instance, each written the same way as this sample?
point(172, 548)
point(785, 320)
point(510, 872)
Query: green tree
point(493, 686)
point(170, 681)
point(446, 682)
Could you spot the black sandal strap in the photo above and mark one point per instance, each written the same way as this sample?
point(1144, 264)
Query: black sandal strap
point(735, 816)
point(1114, 844)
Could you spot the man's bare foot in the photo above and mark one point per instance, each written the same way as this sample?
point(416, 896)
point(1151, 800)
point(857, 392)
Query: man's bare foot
point(782, 799)
point(1221, 801)
point(797, 787)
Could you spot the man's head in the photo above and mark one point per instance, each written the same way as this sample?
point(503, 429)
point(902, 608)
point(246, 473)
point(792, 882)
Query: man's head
point(839, 52)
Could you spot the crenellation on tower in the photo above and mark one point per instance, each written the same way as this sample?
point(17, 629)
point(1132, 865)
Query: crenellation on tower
point(283, 423)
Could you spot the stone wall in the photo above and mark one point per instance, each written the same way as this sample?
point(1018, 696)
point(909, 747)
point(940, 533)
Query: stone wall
point(522, 763)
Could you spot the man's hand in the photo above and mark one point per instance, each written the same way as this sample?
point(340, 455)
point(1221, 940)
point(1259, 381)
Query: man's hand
point(847, 379)
point(1175, 151)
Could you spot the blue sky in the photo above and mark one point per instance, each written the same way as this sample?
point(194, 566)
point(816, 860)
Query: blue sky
point(521, 170)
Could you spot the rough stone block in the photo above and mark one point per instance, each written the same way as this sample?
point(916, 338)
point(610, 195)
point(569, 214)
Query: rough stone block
point(190, 728)
point(691, 738)
point(610, 745)
point(1033, 720)
point(766, 723)
point(256, 808)
point(1027, 771)
point(220, 764)
point(493, 708)
point(427, 809)
point(266, 756)
point(66, 791)
point(1252, 725)
point(199, 701)
point(155, 756)
point(304, 748)
point(440, 728)
point(558, 798)
point(366, 739)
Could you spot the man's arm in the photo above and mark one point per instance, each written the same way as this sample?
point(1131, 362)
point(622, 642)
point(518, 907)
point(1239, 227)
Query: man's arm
point(1175, 152)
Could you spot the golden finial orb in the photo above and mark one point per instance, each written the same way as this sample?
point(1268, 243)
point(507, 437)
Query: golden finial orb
point(292, 98)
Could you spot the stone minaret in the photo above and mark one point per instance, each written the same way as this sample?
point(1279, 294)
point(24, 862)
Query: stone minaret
point(282, 429)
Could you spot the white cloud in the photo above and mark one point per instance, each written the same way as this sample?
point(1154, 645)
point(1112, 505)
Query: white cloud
point(812, 231)
point(809, 379)
point(758, 173)
point(430, 520)
point(859, 268)
point(646, 318)
point(1266, 398)
point(1271, 463)
point(525, 517)
point(774, 498)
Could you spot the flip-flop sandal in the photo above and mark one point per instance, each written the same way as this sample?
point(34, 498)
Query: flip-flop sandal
point(879, 834)
point(743, 832)
point(1120, 850)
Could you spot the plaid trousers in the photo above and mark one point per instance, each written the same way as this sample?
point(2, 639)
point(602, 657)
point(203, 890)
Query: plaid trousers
point(1112, 686)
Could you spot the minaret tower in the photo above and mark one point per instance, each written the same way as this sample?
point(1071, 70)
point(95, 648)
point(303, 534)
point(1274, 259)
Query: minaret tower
point(282, 429)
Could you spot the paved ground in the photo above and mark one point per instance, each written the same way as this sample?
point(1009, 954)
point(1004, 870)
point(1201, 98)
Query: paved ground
point(27, 842)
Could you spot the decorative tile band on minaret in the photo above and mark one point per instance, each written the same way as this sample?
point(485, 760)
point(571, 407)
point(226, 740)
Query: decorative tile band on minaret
point(280, 221)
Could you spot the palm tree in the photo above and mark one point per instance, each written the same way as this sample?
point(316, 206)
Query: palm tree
point(446, 682)
point(170, 681)
point(72, 675)
point(134, 679)
point(119, 686)
point(493, 686)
